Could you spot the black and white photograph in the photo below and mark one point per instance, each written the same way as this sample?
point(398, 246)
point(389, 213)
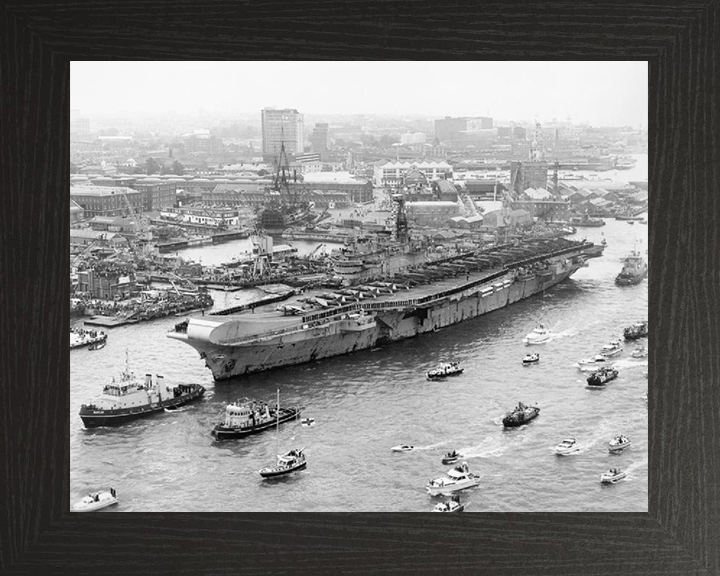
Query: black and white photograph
point(367, 286)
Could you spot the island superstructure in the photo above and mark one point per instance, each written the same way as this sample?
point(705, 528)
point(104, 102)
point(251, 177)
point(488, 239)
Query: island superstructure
point(412, 299)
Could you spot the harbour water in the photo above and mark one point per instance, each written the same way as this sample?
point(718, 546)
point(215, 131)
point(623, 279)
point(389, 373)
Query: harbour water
point(368, 401)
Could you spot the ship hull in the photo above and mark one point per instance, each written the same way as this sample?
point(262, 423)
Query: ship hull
point(324, 341)
point(96, 418)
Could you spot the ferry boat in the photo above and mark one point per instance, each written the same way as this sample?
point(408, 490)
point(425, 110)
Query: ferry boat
point(592, 364)
point(131, 398)
point(619, 443)
point(613, 348)
point(80, 337)
point(437, 292)
point(567, 446)
point(539, 335)
point(96, 501)
point(611, 476)
point(443, 370)
point(602, 376)
point(246, 416)
point(520, 415)
point(634, 270)
point(455, 479)
point(637, 330)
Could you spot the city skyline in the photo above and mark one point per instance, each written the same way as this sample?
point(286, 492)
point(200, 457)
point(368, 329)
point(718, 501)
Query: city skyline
point(596, 93)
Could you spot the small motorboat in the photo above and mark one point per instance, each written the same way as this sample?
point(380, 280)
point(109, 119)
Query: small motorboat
point(452, 505)
point(640, 352)
point(613, 348)
point(637, 330)
point(567, 446)
point(592, 364)
point(602, 376)
point(619, 443)
point(611, 476)
point(96, 501)
point(520, 415)
point(539, 335)
point(286, 463)
point(402, 448)
point(443, 370)
point(97, 346)
point(451, 457)
point(456, 479)
point(533, 358)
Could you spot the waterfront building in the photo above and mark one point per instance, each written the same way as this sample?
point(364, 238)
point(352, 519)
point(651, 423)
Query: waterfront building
point(250, 194)
point(156, 193)
point(431, 213)
point(201, 215)
point(388, 173)
point(278, 126)
point(106, 200)
point(83, 238)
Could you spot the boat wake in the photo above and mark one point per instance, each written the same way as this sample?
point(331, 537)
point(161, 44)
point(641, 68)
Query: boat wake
point(636, 466)
point(174, 410)
point(490, 448)
point(431, 446)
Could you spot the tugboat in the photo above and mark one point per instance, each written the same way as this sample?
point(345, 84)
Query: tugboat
point(602, 376)
point(287, 463)
point(637, 330)
point(455, 479)
point(443, 370)
point(79, 337)
point(96, 501)
point(246, 416)
point(521, 415)
point(452, 505)
point(539, 335)
point(619, 443)
point(611, 476)
point(451, 457)
point(533, 358)
point(567, 446)
point(132, 398)
point(634, 270)
point(612, 349)
point(592, 364)
point(640, 352)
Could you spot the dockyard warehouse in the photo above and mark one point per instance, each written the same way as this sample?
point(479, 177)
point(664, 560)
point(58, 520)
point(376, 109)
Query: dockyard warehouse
point(431, 213)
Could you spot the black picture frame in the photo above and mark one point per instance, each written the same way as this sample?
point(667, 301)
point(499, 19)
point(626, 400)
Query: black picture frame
point(681, 532)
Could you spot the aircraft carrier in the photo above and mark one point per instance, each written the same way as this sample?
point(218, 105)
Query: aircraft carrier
point(408, 300)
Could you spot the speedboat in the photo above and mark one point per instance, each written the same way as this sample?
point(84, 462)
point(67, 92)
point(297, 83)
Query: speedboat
point(97, 346)
point(539, 335)
point(533, 358)
point(619, 443)
point(640, 352)
point(592, 364)
point(613, 348)
point(612, 476)
point(452, 505)
point(451, 457)
point(602, 376)
point(455, 479)
point(96, 501)
point(567, 446)
point(402, 448)
point(443, 370)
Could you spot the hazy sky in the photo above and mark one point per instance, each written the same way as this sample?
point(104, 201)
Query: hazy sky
point(601, 93)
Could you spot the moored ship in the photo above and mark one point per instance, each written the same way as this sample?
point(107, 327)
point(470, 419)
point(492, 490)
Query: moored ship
point(388, 301)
